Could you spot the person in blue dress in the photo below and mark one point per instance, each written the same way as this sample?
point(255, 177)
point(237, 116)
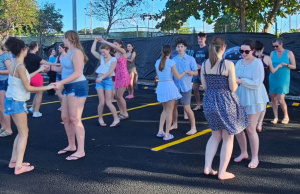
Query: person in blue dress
point(225, 114)
point(166, 90)
point(280, 80)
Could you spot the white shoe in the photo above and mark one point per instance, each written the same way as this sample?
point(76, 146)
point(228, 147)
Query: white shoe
point(37, 114)
point(31, 109)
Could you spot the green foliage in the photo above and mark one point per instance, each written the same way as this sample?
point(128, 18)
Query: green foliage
point(98, 30)
point(176, 12)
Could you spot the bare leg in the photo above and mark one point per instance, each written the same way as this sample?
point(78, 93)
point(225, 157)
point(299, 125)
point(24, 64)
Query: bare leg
point(169, 111)
point(241, 138)
point(20, 119)
point(112, 108)
point(175, 118)
point(253, 139)
point(185, 115)
point(38, 100)
point(274, 106)
point(190, 113)
point(75, 106)
point(197, 95)
point(121, 101)
point(282, 103)
point(101, 106)
point(59, 94)
point(162, 120)
point(68, 126)
point(226, 151)
point(5, 119)
point(260, 121)
point(211, 149)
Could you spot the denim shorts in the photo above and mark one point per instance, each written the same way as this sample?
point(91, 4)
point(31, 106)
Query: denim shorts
point(106, 84)
point(197, 79)
point(78, 89)
point(3, 85)
point(58, 77)
point(13, 107)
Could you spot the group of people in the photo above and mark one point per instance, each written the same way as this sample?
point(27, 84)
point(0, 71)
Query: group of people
point(235, 94)
point(235, 97)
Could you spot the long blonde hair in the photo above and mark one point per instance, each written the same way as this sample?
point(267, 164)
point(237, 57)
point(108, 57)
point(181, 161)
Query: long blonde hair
point(73, 37)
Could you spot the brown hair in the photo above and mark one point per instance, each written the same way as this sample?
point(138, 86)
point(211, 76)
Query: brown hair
point(50, 51)
point(62, 45)
point(165, 51)
point(2, 47)
point(15, 45)
point(105, 46)
point(215, 45)
point(32, 45)
point(73, 37)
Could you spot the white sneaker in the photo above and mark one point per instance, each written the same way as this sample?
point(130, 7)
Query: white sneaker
point(37, 114)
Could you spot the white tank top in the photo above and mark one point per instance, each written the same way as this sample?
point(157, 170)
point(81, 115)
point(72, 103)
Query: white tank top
point(105, 67)
point(16, 89)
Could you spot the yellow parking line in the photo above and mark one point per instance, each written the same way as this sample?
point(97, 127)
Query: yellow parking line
point(180, 140)
point(57, 101)
point(295, 104)
point(130, 109)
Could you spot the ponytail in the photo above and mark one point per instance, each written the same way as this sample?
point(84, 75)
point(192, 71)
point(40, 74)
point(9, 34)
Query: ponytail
point(166, 51)
point(215, 46)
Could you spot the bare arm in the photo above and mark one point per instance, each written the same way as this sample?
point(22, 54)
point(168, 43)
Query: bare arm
point(22, 74)
point(231, 76)
point(7, 64)
point(121, 50)
point(268, 61)
point(93, 50)
point(176, 74)
point(78, 61)
point(203, 81)
point(133, 55)
point(193, 73)
point(292, 59)
point(57, 69)
point(42, 68)
point(43, 62)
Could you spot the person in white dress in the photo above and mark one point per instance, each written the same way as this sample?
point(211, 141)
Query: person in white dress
point(166, 90)
point(253, 96)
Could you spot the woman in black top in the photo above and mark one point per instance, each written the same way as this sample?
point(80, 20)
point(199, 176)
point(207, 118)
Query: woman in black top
point(33, 63)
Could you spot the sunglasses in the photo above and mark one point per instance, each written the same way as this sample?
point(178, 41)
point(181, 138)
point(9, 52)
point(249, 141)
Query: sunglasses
point(275, 46)
point(245, 51)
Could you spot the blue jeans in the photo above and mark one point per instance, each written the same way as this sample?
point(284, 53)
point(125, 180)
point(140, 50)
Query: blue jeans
point(78, 89)
point(106, 84)
point(3, 85)
point(13, 107)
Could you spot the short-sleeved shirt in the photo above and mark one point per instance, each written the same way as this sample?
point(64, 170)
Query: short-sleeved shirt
point(52, 59)
point(105, 67)
point(200, 54)
point(186, 63)
point(4, 57)
point(166, 74)
point(32, 62)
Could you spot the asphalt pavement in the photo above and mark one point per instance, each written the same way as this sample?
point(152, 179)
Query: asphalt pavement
point(121, 160)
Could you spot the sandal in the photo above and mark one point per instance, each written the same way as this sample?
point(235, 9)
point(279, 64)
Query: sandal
point(116, 124)
point(75, 158)
point(5, 133)
point(274, 121)
point(65, 151)
point(169, 137)
point(123, 117)
point(1, 130)
point(285, 121)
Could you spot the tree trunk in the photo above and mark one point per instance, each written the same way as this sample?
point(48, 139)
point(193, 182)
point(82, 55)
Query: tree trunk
point(107, 31)
point(272, 16)
point(242, 19)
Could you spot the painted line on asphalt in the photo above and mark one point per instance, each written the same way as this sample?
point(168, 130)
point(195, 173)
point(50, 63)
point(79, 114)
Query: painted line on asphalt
point(130, 109)
point(52, 102)
point(181, 140)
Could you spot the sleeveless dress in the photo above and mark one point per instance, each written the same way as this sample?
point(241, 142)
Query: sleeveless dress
point(122, 75)
point(221, 106)
point(280, 80)
point(131, 65)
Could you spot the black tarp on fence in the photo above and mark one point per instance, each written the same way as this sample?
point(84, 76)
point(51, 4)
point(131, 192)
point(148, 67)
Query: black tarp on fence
point(148, 51)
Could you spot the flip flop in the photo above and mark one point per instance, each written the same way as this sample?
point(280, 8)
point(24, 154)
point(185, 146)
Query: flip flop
point(198, 109)
point(191, 133)
point(75, 157)
point(64, 151)
point(1, 130)
point(160, 135)
point(5, 133)
point(102, 124)
point(123, 117)
point(116, 125)
point(168, 138)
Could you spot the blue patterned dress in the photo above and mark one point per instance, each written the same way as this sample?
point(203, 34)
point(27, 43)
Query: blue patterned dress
point(222, 107)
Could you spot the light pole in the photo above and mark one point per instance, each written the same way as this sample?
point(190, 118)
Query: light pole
point(74, 15)
point(91, 2)
point(152, 15)
point(85, 23)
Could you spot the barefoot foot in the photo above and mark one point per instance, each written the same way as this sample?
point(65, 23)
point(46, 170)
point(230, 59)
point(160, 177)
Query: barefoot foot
point(253, 164)
point(226, 176)
point(210, 171)
point(173, 127)
point(241, 157)
point(192, 132)
point(13, 164)
point(23, 169)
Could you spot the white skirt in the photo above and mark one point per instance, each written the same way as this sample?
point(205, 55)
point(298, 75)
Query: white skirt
point(167, 91)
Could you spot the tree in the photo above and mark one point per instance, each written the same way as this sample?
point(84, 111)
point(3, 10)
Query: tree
point(99, 30)
point(117, 11)
point(17, 14)
point(49, 21)
point(176, 12)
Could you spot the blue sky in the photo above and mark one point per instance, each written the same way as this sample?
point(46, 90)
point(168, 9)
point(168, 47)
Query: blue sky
point(66, 10)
